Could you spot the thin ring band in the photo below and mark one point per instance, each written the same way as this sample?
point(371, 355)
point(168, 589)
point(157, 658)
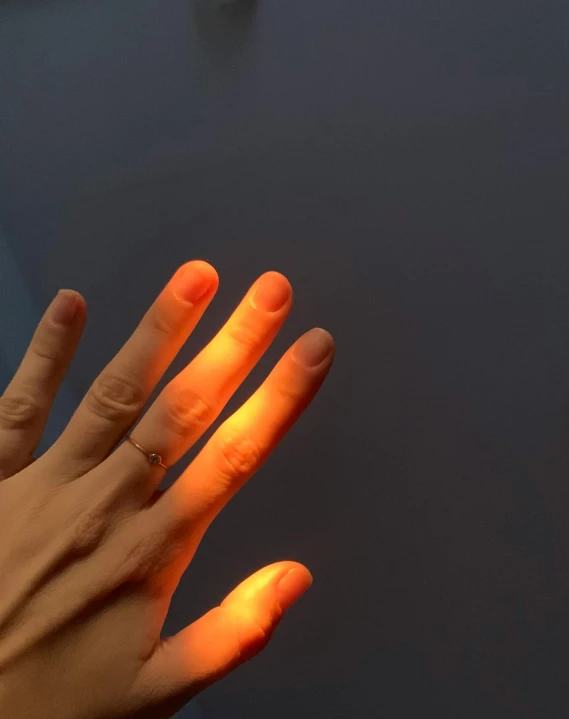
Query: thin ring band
point(153, 458)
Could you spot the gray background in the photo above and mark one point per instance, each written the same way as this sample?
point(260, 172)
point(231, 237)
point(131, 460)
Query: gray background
point(406, 165)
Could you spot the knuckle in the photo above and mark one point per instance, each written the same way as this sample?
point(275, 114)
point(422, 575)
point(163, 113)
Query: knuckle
point(259, 633)
point(287, 389)
point(147, 555)
point(89, 529)
point(187, 408)
point(18, 411)
point(238, 455)
point(163, 322)
point(251, 633)
point(245, 334)
point(46, 351)
point(112, 397)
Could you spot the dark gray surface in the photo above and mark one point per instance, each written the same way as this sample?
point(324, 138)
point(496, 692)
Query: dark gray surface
point(406, 165)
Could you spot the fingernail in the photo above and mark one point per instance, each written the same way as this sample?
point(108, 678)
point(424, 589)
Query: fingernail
point(193, 282)
point(64, 307)
point(271, 292)
point(291, 587)
point(313, 347)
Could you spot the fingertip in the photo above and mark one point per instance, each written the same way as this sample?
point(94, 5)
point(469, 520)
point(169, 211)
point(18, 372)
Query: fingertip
point(81, 301)
point(261, 585)
point(195, 281)
point(278, 274)
point(207, 269)
point(313, 347)
point(81, 307)
point(68, 292)
point(292, 586)
point(65, 307)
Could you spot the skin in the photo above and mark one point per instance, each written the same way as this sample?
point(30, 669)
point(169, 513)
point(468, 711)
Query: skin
point(91, 551)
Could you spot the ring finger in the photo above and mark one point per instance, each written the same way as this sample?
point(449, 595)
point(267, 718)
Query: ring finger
point(191, 402)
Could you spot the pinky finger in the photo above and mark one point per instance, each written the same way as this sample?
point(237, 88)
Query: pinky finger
point(27, 401)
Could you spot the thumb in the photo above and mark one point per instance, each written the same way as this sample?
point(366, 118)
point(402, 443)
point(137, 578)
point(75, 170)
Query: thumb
point(218, 642)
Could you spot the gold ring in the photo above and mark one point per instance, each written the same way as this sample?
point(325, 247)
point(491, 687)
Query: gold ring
point(153, 458)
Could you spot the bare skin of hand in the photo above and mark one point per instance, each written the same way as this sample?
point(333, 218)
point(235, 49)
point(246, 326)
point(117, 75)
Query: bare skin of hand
point(91, 550)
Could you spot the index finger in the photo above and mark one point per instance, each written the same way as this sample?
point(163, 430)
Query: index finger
point(118, 395)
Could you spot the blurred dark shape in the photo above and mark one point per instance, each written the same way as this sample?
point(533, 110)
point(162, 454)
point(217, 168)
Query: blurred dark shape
point(224, 27)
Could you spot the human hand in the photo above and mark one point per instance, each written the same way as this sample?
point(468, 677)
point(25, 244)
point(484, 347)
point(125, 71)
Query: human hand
point(91, 551)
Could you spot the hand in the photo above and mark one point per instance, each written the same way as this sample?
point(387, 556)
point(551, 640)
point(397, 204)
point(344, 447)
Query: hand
point(91, 551)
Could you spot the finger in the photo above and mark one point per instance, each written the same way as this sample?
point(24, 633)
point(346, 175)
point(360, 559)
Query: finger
point(26, 402)
point(193, 400)
point(118, 395)
point(218, 642)
point(242, 443)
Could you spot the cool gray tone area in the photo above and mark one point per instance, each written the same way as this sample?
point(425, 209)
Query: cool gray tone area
point(406, 165)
